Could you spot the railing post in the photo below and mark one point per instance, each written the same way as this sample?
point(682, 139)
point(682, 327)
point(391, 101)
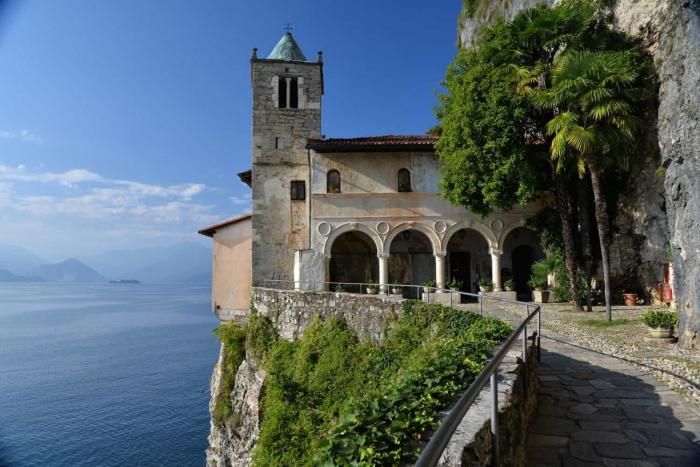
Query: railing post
point(525, 360)
point(481, 304)
point(539, 331)
point(494, 421)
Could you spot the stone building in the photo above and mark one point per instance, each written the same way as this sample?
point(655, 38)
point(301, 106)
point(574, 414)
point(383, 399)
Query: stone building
point(359, 210)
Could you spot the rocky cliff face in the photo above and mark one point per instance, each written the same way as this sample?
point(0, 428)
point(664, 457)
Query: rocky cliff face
point(232, 443)
point(659, 204)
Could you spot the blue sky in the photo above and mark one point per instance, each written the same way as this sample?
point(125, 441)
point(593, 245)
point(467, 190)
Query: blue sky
point(123, 123)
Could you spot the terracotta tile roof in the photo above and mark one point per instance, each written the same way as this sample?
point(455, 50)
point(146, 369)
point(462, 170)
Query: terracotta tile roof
point(209, 231)
point(374, 143)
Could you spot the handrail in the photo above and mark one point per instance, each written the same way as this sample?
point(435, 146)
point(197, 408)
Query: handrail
point(441, 437)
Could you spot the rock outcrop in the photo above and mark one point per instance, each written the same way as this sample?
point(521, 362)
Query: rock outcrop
point(663, 201)
point(231, 443)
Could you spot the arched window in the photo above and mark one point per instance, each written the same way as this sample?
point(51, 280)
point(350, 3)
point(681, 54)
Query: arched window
point(333, 182)
point(404, 181)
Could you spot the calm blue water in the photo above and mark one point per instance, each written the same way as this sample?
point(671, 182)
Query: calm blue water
point(111, 374)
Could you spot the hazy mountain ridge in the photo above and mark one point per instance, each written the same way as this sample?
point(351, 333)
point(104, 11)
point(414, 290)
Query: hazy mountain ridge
point(180, 263)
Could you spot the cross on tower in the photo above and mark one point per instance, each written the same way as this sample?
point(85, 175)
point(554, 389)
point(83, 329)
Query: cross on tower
point(288, 27)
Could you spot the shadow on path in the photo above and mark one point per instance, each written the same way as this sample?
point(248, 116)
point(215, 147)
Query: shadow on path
point(597, 409)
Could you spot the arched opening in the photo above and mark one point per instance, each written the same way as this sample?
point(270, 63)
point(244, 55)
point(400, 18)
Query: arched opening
point(411, 259)
point(520, 251)
point(404, 181)
point(354, 260)
point(468, 259)
point(333, 181)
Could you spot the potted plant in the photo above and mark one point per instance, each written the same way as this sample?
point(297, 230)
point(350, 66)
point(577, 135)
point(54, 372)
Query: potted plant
point(339, 288)
point(454, 285)
point(428, 285)
point(660, 322)
point(508, 284)
point(631, 299)
point(396, 289)
point(485, 285)
point(539, 283)
point(372, 289)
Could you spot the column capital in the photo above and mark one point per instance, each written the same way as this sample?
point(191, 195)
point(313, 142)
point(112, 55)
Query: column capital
point(496, 251)
point(440, 254)
point(383, 255)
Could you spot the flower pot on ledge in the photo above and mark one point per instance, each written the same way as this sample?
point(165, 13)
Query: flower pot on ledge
point(372, 290)
point(661, 333)
point(540, 296)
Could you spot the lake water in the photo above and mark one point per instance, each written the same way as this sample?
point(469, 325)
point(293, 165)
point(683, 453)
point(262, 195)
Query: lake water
point(108, 374)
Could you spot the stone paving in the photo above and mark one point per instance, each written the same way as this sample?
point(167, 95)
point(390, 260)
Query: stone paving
point(597, 410)
point(594, 409)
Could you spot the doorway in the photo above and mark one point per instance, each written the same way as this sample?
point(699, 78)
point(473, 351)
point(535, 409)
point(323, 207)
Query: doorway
point(522, 259)
point(460, 262)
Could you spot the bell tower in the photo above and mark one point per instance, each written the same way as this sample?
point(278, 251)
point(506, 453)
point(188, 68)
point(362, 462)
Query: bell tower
point(287, 90)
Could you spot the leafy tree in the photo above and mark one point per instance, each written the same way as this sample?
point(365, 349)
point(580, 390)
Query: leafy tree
point(593, 95)
point(486, 162)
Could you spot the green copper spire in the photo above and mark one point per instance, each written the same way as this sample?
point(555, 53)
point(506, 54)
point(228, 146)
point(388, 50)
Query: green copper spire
point(287, 49)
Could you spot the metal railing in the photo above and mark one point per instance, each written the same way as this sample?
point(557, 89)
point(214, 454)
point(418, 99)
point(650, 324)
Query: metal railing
point(432, 452)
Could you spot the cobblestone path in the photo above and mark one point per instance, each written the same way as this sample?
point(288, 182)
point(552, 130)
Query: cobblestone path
point(594, 409)
point(598, 410)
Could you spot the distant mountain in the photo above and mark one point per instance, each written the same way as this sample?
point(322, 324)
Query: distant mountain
point(7, 276)
point(182, 263)
point(70, 270)
point(18, 260)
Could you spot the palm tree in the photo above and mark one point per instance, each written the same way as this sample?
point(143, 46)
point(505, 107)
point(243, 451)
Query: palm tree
point(525, 49)
point(593, 95)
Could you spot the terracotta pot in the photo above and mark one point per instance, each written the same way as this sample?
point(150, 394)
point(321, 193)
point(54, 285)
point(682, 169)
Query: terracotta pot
point(426, 289)
point(396, 291)
point(661, 332)
point(509, 289)
point(372, 291)
point(631, 299)
point(484, 289)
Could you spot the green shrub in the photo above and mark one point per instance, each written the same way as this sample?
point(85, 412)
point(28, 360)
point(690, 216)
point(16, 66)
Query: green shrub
point(232, 337)
point(259, 336)
point(330, 399)
point(660, 318)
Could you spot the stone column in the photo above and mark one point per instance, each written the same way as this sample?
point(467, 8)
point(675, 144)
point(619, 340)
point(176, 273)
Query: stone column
point(289, 91)
point(440, 270)
point(383, 271)
point(496, 269)
point(326, 273)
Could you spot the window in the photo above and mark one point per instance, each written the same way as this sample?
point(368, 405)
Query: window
point(287, 92)
point(293, 93)
point(298, 190)
point(333, 182)
point(404, 181)
point(282, 94)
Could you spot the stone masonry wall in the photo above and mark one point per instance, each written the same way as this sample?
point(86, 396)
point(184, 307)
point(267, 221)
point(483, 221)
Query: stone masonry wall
point(471, 443)
point(279, 156)
point(291, 312)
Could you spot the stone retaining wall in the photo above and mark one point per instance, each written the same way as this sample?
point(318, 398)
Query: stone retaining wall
point(291, 312)
point(471, 443)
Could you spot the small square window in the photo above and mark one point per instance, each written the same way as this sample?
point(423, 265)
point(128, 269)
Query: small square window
point(298, 190)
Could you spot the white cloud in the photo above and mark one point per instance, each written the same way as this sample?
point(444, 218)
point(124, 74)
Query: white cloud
point(21, 135)
point(105, 198)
